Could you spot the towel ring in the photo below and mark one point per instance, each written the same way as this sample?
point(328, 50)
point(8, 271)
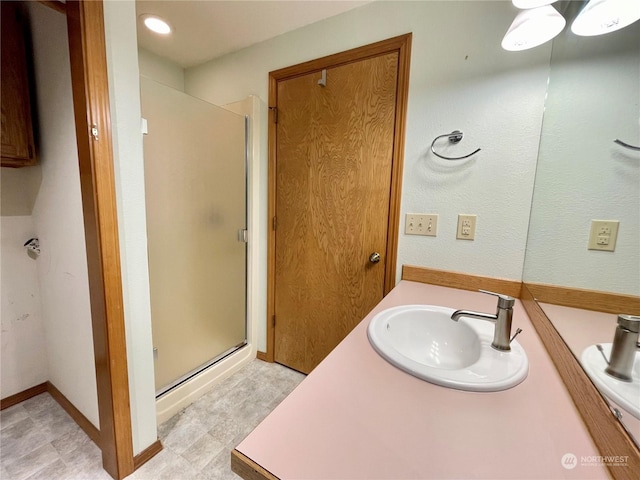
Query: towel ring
point(454, 137)
point(620, 142)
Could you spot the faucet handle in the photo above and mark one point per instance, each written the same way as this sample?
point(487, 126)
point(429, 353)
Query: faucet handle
point(504, 301)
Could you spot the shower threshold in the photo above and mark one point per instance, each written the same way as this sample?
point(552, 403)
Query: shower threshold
point(198, 370)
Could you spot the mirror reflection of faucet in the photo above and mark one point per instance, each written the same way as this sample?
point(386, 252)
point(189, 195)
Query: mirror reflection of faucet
point(618, 376)
point(624, 347)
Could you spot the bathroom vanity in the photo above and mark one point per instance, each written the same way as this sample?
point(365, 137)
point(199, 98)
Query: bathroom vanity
point(358, 416)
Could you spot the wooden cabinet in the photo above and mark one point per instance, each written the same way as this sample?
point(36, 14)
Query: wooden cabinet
point(18, 149)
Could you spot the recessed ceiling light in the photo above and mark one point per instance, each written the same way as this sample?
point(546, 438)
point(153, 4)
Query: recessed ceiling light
point(156, 24)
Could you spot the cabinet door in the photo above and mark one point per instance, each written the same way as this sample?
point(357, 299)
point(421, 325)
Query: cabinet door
point(17, 130)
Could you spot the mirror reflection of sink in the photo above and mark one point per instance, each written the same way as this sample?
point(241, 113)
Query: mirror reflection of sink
point(423, 340)
point(625, 394)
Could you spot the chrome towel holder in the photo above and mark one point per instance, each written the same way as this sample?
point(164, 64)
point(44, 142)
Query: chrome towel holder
point(454, 137)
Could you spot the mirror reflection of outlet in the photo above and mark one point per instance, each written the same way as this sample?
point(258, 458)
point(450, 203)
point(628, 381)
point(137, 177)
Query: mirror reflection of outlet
point(603, 235)
point(421, 224)
point(466, 227)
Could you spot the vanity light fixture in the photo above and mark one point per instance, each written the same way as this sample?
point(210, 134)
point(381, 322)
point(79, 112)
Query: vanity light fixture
point(533, 27)
point(604, 16)
point(156, 24)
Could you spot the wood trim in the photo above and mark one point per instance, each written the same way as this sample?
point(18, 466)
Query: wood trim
point(87, 48)
point(402, 99)
point(271, 206)
point(464, 281)
point(342, 58)
point(19, 397)
point(147, 454)
point(585, 299)
point(606, 431)
point(82, 421)
point(262, 356)
point(248, 469)
point(55, 5)
point(400, 44)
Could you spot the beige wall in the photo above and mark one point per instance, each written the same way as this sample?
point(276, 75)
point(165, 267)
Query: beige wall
point(20, 187)
point(160, 69)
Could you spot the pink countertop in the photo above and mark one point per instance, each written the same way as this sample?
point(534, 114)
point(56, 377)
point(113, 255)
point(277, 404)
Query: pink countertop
point(358, 417)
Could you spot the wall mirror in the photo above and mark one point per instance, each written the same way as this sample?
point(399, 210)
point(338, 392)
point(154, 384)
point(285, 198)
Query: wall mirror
point(593, 98)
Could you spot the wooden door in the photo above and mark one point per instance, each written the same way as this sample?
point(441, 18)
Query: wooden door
point(334, 159)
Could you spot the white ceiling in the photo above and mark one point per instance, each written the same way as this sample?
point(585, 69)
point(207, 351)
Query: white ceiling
point(206, 29)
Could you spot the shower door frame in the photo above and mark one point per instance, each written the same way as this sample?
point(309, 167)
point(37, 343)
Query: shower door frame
point(244, 233)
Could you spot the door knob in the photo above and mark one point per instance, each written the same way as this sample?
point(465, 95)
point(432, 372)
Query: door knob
point(374, 257)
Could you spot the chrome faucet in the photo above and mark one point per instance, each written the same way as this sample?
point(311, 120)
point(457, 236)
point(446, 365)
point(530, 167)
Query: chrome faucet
point(502, 319)
point(623, 350)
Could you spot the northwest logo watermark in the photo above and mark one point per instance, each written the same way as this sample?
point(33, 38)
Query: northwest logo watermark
point(570, 461)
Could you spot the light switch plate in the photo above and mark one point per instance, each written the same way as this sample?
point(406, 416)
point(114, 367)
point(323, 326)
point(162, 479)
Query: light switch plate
point(421, 224)
point(603, 235)
point(466, 227)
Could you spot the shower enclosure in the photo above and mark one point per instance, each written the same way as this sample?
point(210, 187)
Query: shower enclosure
point(195, 156)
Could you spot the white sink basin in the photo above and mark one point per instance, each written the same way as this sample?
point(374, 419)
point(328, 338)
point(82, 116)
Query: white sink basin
point(625, 394)
point(423, 340)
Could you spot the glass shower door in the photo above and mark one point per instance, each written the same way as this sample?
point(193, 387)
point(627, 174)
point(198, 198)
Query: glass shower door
point(195, 181)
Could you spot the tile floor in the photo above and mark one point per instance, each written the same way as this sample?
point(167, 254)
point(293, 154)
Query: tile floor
point(38, 440)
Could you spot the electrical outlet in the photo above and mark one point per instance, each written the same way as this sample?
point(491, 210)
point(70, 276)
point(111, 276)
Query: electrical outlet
point(466, 227)
point(421, 224)
point(603, 235)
